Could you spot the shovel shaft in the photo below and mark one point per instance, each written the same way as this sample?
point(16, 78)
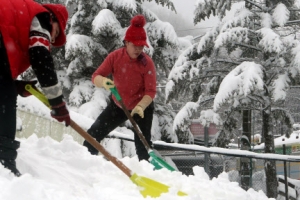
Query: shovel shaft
point(84, 134)
point(135, 126)
point(100, 148)
point(155, 158)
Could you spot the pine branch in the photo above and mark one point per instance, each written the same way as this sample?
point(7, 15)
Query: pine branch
point(216, 70)
point(264, 9)
point(257, 98)
point(297, 98)
point(207, 99)
point(248, 46)
point(271, 78)
point(228, 61)
point(293, 22)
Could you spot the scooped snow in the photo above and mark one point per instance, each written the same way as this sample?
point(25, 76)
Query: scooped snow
point(66, 171)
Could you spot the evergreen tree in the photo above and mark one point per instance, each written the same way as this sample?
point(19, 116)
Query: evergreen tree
point(97, 28)
point(245, 63)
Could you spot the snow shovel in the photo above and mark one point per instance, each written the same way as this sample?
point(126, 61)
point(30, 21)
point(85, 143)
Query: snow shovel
point(155, 158)
point(149, 187)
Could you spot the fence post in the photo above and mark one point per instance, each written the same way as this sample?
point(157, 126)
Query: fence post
point(206, 155)
point(245, 165)
point(285, 174)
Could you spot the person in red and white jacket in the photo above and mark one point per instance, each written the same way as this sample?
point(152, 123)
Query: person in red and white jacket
point(27, 29)
point(134, 76)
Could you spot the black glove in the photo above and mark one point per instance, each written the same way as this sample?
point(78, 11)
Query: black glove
point(20, 86)
point(61, 113)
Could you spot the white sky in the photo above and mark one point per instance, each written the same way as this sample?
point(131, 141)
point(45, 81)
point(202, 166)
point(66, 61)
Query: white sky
point(186, 8)
point(182, 21)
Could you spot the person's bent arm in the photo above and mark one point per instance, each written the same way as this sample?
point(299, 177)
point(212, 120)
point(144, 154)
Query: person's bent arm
point(43, 66)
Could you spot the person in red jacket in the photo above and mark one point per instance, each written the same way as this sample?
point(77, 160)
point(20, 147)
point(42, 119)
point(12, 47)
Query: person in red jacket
point(27, 29)
point(134, 76)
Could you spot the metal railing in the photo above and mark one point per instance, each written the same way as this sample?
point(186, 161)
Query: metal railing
point(217, 163)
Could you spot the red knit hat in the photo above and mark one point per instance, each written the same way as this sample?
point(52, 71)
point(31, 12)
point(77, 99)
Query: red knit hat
point(61, 14)
point(135, 32)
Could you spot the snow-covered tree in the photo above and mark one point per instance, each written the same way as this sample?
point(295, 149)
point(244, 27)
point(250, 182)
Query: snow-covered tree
point(95, 29)
point(247, 62)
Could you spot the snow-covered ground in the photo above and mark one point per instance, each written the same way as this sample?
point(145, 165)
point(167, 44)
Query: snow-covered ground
point(65, 170)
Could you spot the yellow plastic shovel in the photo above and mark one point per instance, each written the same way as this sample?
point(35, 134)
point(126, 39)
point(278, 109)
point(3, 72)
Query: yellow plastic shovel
point(148, 186)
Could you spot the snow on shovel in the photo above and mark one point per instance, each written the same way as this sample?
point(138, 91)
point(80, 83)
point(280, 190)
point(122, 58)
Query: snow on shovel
point(148, 186)
point(155, 158)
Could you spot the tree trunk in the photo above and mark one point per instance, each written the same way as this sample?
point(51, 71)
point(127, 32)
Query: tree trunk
point(245, 168)
point(247, 123)
point(270, 165)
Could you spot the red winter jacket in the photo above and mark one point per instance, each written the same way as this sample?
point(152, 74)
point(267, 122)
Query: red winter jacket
point(15, 21)
point(133, 78)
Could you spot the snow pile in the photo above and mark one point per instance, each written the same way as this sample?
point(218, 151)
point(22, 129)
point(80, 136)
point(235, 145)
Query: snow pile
point(65, 170)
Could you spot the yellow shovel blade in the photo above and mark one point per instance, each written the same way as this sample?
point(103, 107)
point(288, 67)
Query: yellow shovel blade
point(150, 187)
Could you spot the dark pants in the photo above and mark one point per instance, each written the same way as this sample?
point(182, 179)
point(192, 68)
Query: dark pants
point(8, 105)
point(112, 117)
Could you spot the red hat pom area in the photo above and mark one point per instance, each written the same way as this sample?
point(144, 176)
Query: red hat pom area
point(136, 32)
point(138, 21)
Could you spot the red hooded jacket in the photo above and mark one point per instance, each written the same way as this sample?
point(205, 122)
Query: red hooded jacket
point(15, 21)
point(133, 78)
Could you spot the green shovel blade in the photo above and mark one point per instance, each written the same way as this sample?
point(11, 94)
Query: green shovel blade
point(159, 162)
point(151, 187)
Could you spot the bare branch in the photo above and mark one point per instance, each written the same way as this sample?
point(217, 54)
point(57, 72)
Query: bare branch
point(293, 22)
point(228, 61)
point(249, 46)
point(262, 8)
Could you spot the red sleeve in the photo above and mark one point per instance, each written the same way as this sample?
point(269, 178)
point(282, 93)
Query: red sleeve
point(106, 68)
point(150, 79)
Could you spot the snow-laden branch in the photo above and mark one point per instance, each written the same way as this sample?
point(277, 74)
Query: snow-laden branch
point(280, 86)
point(241, 81)
point(241, 19)
point(281, 14)
point(209, 116)
point(296, 59)
point(81, 43)
point(183, 119)
point(106, 21)
point(236, 34)
point(162, 30)
point(207, 39)
point(130, 6)
point(270, 41)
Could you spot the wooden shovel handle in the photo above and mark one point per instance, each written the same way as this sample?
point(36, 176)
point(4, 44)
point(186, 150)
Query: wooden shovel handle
point(135, 126)
point(83, 133)
point(100, 148)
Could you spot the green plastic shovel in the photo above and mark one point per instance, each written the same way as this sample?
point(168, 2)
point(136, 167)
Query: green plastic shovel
point(148, 186)
point(155, 158)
